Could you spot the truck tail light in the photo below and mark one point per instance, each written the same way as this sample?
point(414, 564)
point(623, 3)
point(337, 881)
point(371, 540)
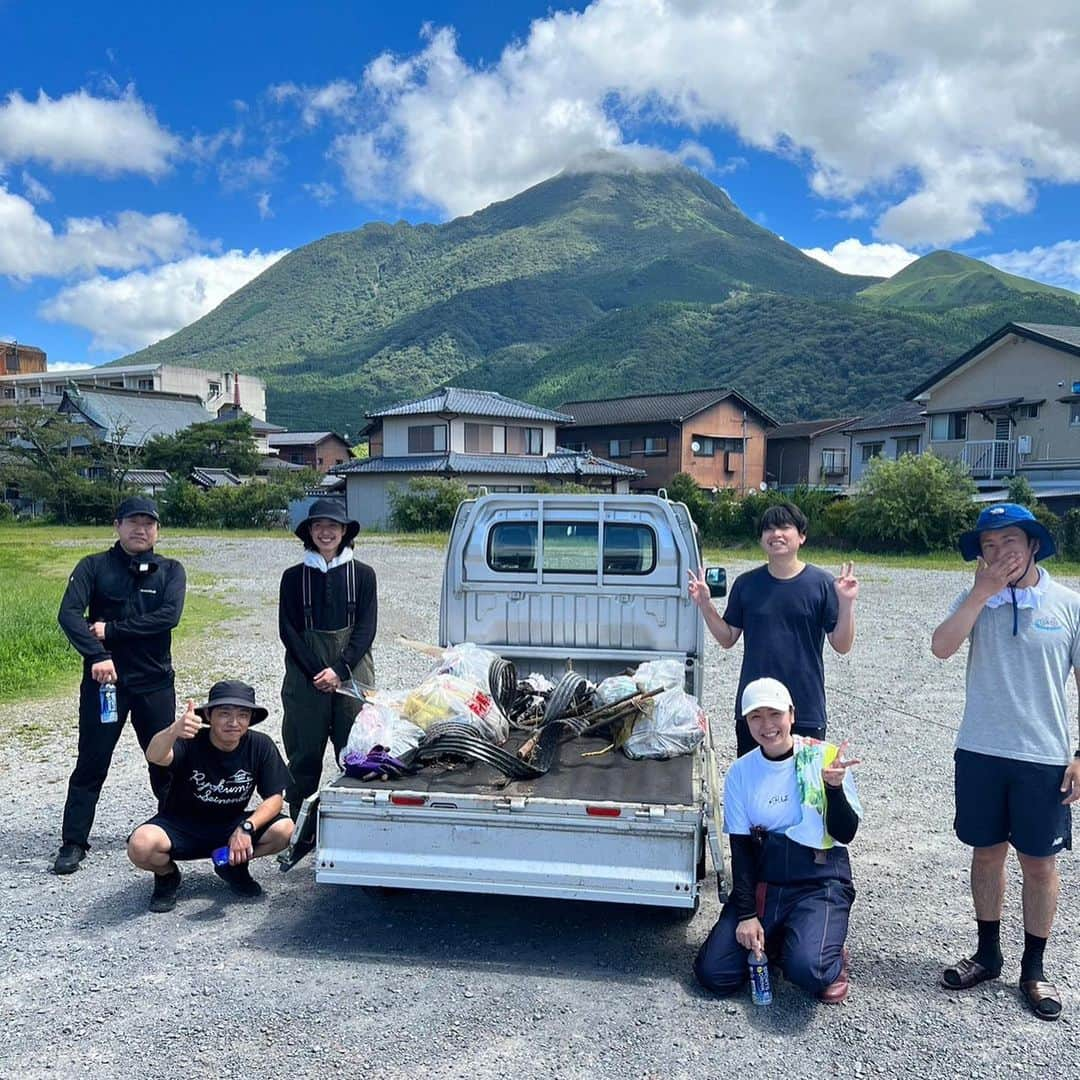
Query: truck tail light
point(407, 800)
point(603, 811)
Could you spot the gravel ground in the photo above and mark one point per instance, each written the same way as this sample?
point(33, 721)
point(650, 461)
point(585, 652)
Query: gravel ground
point(315, 981)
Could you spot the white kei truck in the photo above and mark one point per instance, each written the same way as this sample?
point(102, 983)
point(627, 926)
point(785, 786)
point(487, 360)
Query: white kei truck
point(597, 583)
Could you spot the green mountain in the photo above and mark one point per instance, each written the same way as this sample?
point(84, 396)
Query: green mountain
point(943, 280)
point(593, 283)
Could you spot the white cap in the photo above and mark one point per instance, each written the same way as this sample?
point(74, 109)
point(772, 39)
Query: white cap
point(765, 693)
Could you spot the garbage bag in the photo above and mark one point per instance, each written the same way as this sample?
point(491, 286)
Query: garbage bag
point(673, 725)
point(447, 697)
point(615, 688)
point(469, 662)
point(379, 724)
point(657, 674)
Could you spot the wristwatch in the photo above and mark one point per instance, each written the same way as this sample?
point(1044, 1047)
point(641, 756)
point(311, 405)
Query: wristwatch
point(248, 828)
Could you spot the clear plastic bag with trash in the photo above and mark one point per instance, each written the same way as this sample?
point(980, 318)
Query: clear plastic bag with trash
point(672, 724)
point(657, 674)
point(469, 662)
point(378, 723)
point(448, 697)
point(615, 688)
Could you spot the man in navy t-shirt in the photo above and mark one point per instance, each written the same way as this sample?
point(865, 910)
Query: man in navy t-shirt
point(785, 609)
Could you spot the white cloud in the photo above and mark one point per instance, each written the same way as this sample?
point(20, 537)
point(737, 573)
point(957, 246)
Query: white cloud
point(35, 190)
point(242, 172)
point(262, 203)
point(142, 307)
point(1054, 264)
point(852, 256)
point(30, 247)
point(336, 98)
point(322, 192)
point(64, 365)
point(82, 133)
point(947, 112)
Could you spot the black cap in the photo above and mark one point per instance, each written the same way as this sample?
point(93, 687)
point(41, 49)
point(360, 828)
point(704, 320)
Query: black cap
point(137, 504)
point(233, 692)
point(331, 510)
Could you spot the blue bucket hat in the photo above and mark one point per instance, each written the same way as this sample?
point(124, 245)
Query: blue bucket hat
point(1002, 516)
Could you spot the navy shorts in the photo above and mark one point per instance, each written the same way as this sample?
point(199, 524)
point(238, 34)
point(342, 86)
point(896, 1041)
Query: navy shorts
point(198, 840)
point(999, 799)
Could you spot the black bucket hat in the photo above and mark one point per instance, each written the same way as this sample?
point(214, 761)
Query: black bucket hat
point(233, 692)
point(331, 510)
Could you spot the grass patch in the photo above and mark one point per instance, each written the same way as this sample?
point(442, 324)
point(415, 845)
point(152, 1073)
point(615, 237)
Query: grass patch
point(36, 659)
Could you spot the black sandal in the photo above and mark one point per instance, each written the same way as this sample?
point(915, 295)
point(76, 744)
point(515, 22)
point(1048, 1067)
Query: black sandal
point(1042, 998)
point(967, 973)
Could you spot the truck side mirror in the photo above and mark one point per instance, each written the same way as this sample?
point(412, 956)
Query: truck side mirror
point(716, 579)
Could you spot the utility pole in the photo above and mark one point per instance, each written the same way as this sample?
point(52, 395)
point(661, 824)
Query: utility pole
point(744, 452)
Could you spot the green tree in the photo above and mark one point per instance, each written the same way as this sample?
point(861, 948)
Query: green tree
point(427, 504)
point(919, 503)
point(229, 445)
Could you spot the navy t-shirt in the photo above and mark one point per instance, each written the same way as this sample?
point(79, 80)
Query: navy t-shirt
point(212, 786)
point(784, 623)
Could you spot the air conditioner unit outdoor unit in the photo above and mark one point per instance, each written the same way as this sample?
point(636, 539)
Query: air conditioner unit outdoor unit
point(1023, 444)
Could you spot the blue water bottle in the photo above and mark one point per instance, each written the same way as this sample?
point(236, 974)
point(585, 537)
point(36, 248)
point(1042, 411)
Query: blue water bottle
point(107, 698)
point(220, 856)
point(760, 987)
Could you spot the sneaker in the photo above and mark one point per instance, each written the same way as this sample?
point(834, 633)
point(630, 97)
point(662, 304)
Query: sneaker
point(68, 859)
point(239, 879)
point(165, 887)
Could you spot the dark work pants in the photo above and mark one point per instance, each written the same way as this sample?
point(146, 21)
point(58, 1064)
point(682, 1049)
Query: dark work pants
point(805, 922)
point(151, 711)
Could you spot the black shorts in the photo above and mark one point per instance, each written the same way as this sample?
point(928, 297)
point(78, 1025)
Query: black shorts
point(198, 840)
point(999, 799)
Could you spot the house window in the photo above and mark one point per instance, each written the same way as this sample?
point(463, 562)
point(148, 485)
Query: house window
point(296, 458)
point(947, 427)
point(117, 384)
point(619, 448)
point(705, 446)
point(908, 445)
point(577, 447)
point(9, 392)
point(34, 391)
point(214, 388)
point(656, 445)
point(479, 438)
point(570, 547)
point(429, 439)
point(833, 462)
point(146, 384)
point(1027, 412)
point(870, 450)
point(524, 440)
point(58, 388)
point(1074, 414)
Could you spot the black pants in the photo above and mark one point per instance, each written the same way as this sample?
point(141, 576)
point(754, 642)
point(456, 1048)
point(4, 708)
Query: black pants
point(151, 711)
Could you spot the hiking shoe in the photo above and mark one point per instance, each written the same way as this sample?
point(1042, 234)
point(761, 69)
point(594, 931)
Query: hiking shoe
point(68, 859)
point(165, 886)
point(239, 879)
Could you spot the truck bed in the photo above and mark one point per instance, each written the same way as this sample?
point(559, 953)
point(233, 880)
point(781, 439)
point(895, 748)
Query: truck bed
point(611, 777)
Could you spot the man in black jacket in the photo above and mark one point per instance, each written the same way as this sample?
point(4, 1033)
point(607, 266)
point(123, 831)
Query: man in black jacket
point(118, 611)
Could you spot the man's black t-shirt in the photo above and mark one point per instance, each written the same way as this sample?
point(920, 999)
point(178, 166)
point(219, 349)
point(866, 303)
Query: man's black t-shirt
point(212, 786)
point(784, 623)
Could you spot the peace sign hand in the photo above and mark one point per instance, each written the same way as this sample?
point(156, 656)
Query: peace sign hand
point(833, 774)
point(699, 588)
point(847, 584)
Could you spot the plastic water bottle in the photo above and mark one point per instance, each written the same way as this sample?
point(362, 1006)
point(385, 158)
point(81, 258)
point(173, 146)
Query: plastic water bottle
point(107, 699)
point(760, 986)
point(220, 857)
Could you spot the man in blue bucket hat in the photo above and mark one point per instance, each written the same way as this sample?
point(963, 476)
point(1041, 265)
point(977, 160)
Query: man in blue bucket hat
point(1016, 773)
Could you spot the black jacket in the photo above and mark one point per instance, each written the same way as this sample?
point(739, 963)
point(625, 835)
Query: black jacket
point(328, 612)
point(139, 608)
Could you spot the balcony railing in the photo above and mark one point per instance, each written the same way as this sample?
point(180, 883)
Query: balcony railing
point(988, 459)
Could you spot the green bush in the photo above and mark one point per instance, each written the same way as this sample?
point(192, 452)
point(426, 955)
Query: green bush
point(1019, 491)
point(918, 503)
point(427, 504)
point(1069, 534)
point(1046, 517)
point(834, 526)
point(6, 512)
point(249, 506)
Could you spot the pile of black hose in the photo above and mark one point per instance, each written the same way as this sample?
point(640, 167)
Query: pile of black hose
point(451, 738)
point(502, 678)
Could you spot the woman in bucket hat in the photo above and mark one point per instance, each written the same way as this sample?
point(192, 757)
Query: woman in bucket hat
point(327, 614)
point(216, 763)
point(1016, 775)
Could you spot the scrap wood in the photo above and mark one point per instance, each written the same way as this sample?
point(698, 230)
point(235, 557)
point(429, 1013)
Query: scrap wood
point(420, 646)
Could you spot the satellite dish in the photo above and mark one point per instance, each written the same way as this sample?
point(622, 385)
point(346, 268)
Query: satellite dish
point(695, 446)
point(763, 486)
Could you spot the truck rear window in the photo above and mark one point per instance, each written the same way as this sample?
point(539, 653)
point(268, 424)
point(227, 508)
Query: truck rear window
point(570, 547)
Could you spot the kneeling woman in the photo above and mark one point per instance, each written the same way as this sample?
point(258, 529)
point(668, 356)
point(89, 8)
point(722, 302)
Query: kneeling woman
point(789, 806)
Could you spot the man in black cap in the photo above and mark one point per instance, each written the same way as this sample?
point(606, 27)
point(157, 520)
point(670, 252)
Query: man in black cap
point(216, 764)
point(118, 611)
point(327, 613)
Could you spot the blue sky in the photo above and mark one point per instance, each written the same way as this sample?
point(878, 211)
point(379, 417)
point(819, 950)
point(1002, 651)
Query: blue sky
point(153, 159)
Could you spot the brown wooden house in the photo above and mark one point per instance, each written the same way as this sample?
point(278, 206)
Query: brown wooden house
point(322, 450)
point(716, 436)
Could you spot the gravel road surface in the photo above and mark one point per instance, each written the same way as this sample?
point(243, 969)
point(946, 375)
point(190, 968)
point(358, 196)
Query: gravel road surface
point(326, 980)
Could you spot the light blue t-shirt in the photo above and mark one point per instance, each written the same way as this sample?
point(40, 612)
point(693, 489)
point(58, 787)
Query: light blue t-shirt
point(1017, 687)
